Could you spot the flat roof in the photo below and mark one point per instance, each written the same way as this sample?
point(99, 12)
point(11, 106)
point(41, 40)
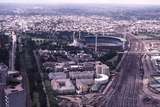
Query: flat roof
point(62, 84)
point(10, 89)
point(57, 75)
point(155, 57)
point(85, 81)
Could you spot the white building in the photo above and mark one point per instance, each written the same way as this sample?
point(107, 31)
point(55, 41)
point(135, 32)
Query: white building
point(102, 68)
point(63, 86)
point(82, 75)
point(101, 79)
point(57, 75)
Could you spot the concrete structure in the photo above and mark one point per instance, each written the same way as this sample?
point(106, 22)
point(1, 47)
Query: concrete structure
point(83, 85)
point(101, 79)
point(95, 87)
point(102, 68)
point(59, 65)
point(102, 43)
point(75, 43)
point(57, 75)
point(156, 60)
point(3, 77)
point(3, 74)
point(15, 95)
point(63, 86)
point(82, 75)
point(84, 66)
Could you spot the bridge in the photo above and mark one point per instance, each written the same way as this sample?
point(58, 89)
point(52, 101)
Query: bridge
point(138, 52)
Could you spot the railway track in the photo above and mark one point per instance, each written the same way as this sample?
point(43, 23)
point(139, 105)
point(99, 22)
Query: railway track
point(127, 92)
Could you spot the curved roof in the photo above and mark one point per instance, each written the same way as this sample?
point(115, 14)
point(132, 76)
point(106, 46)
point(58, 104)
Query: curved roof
point(102, 78)
point(107, 37)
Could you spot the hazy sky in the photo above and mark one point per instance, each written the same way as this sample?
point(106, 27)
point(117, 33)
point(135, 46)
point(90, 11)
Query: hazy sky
point(86, 1)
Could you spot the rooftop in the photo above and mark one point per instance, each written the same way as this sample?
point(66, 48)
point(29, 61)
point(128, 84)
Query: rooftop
point(57, 75)
point(62, 85)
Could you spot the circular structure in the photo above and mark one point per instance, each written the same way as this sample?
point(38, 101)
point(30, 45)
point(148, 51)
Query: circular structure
point(101, 79)
point(105, 42)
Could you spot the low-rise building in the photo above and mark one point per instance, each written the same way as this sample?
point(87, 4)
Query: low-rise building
point(63, 86)
point(15, 95)
point(57, 75)
point(3, 77)
point(82, 75)
point(101, 79)
point(83, 85)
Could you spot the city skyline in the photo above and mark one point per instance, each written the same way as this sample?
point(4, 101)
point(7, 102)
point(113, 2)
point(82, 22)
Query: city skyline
point(144, 2)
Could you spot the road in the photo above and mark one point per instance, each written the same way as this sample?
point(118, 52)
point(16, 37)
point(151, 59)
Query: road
point(12, 62)
point(42, 78)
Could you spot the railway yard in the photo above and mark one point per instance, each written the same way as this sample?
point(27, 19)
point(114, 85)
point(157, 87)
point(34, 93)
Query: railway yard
point(128, 88)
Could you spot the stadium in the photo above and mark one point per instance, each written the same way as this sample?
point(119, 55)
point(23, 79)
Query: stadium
point(103, 43)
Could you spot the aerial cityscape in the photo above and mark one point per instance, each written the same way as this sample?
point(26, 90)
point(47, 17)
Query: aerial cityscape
point(80, 54)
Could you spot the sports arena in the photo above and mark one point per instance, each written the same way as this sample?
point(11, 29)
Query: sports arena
point(103, 43)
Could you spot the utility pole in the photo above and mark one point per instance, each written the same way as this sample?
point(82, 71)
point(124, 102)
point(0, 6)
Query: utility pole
point(103, 28)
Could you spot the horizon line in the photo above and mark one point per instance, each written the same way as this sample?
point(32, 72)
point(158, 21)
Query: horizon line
point(66, 3)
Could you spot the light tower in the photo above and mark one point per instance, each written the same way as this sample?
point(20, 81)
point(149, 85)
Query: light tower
point(79, 35)
point(96, 43)
point(74, 39)
point(14, 38)
point(103, 28)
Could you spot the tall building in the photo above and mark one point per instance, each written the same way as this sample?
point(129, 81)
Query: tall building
point(102, 68)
